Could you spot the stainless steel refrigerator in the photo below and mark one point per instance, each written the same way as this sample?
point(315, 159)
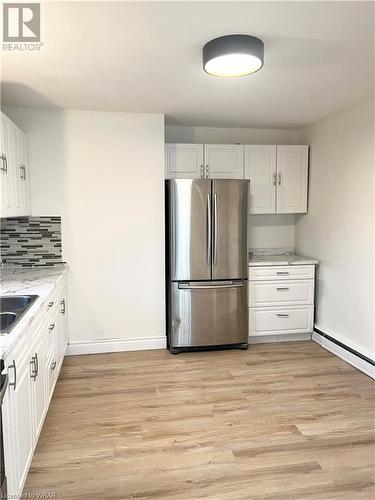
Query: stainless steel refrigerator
point(207, 263)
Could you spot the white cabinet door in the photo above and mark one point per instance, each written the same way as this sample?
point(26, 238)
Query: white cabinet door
point(260, 168)
point(184, 161)
point(292, 176)
point(7, 173)
point(224, 161)
point(18, 425)
point(38, 384)
point(23, 173)
point(63, 330)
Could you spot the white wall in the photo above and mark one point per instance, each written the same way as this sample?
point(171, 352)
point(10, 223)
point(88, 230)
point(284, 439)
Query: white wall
point(272, 231)
point(339, 226)
point(215, 135)
point(103, 173)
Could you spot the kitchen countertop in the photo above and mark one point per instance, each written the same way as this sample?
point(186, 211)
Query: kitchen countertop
point(31, 281)
point(284, 259)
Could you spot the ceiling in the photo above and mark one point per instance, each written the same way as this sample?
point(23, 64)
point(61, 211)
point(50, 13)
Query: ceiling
point(146, 57)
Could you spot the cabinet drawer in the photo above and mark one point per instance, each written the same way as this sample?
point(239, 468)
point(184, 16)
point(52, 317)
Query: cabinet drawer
point(279, 320)
point(51, 373)
point(281, 293)
point(260, 273)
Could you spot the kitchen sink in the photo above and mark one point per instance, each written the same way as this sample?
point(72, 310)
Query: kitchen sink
point(6, 320)
point(12, 308)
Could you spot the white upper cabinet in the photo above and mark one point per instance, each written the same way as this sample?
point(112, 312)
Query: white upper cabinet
point(260, 168)
point(14, 171)
point(184, 161)
point(7, 164)
point(292, 176)
point(278, 174)
point(224, 161)
point(278, 178)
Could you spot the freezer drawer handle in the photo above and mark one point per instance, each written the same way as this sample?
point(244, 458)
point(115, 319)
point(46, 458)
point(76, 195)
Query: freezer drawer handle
point(186, 286)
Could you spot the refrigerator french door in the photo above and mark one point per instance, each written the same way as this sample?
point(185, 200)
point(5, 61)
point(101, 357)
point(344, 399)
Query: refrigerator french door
point(207, 223)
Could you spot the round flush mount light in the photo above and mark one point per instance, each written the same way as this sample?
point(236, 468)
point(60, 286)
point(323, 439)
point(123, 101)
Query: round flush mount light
point(233, 55)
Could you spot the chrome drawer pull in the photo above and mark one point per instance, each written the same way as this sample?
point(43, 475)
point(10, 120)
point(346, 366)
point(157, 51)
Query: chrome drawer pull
point(282, 273)
point(13, 384)
point(51, 327)
point(50, 304)
point(282, 289)
point(34, 371)
point(53, 366)
point(282, 315)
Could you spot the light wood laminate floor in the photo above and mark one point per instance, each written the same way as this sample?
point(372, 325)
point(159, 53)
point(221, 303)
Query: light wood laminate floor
point(279, 421)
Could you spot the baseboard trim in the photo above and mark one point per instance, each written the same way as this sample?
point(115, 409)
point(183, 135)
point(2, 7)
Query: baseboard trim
point(345, 353)
point(286, 337)
point(115, 345)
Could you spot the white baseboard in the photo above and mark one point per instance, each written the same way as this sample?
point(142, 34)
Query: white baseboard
point(115, 345)
point(345, 355)
point(286, 337)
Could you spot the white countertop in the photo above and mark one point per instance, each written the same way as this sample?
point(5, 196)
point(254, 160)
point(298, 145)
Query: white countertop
point(272, 258)
point(33, 281)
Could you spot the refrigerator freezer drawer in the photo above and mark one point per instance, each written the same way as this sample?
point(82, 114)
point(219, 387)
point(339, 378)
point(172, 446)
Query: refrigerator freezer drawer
point(281, 293)
point(279, 320)
point(208, 313)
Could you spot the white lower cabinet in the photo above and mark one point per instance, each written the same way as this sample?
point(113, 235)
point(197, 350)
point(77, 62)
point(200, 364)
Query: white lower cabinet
point(33, 366)
point(281, 300)
point(281, 320)
point(18, 425)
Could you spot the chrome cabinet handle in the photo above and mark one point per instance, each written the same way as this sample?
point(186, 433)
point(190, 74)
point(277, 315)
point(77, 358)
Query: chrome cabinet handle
point(14, 383)
point(23, 167)
point(215, 231)
point(282, 315)
point(282, 289)
point(202, 175)
point(207, 171)
point(34, 372)
point(274, 178)
point(279, 178)
point(37, 363)
point(4, 168)
point(51, 327)
point(282, 273)
point(62, 303)
point(209, 242)
point(50, 304)
point(53, 366)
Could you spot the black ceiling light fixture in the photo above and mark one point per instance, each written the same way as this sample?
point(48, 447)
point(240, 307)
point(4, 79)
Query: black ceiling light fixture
point(233, 55)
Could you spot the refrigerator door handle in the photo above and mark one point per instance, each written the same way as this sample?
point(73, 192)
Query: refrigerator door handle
point(187, 286)
point(209, 229)
point(215, 231)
